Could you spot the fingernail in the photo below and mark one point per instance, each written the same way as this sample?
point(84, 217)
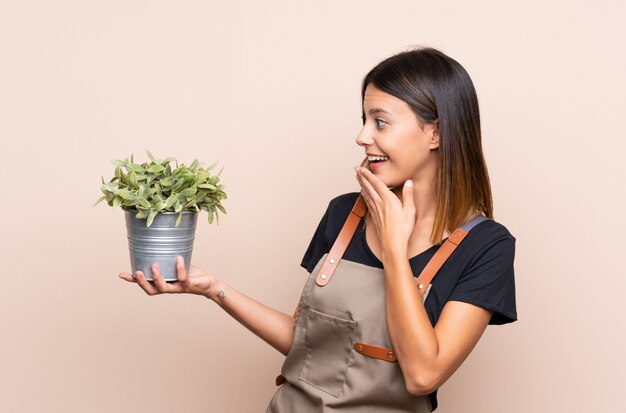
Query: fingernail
point(179, 259)
point(409, 183)
point(356, 169)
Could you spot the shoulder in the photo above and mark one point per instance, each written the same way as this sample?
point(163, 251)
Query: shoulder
point(342, 202)
point(486, 276)
point(489, 233)
point(338, 210)
point(328, 228)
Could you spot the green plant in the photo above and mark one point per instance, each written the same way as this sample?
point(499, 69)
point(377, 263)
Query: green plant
point(153, 187)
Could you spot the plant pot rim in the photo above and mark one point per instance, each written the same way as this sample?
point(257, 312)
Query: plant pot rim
point(186, 211)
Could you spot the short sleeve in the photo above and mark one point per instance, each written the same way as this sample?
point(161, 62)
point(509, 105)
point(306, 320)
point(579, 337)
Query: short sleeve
point(317, 246)
point(489, 282)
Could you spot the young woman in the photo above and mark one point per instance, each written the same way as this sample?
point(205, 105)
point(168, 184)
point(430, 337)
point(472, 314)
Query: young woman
point(406, 274)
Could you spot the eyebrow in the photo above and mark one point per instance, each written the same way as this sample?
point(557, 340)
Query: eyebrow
point(374, 111)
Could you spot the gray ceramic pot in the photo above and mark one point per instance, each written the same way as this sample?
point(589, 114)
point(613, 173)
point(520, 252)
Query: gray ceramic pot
point(161, 242)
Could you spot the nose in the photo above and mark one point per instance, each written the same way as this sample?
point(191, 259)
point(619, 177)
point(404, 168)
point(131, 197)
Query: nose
point(364, 138)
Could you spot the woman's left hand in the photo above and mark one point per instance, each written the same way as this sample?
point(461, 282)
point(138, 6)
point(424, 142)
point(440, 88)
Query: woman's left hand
point(394, 219)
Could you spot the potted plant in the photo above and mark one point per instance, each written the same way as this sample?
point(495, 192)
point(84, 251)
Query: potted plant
point(161, 206)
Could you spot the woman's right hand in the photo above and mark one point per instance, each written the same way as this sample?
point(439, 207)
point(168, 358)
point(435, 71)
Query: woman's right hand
point(194, 282)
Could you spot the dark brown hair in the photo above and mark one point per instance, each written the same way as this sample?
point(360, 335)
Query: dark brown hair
point(439, 90)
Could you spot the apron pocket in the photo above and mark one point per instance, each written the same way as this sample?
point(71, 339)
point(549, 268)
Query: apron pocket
point(328, 343)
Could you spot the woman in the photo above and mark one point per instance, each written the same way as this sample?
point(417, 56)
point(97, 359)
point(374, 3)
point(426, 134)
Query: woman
point(366, 335)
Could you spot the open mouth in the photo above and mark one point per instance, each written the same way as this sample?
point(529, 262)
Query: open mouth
point(377, 159)
point(376, 162)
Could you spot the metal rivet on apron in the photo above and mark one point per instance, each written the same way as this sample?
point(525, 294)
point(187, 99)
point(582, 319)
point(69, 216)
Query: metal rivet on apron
point(420, 286)
point(359, 347)
point(332, 260)
point(323, 276)
point(390, 355)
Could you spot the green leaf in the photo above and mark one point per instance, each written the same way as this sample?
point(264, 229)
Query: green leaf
point(126, 194)
point(102, 198)
point(151, 157)
point(151, 218)
point(111, 186)
point(180, 216)
point(188, 192)
point(160, 206)
point(171, 200)
point(118, 163)
point(178, 206)
point(210, 218)
point(156, 168)
point(142, 214)
point(169, 181)
point(132, 179)
point(135, 167)
point(207, 186)
point(213, 165)
point(221, 208)
point(117, 201)
point(220, 172)
point(202, 177)
point(132, 158)
point(144, 203)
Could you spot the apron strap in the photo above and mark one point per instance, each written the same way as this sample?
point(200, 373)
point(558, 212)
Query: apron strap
point(423, 281)
point(340, 245)
point(444, 252)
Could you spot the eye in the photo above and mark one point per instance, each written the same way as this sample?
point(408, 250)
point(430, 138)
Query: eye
point(379, 121)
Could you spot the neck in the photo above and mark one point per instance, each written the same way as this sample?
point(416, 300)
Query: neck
point(424, 199)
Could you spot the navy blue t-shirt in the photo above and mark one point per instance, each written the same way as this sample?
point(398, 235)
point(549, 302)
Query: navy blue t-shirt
point(479, 271)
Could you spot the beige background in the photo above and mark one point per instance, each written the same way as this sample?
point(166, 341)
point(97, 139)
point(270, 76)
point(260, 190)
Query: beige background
point(271, 90)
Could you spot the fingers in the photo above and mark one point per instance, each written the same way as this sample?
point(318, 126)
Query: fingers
point(145, 285)
point(161, 285)
point(181, 270)
point(407, 195)
point(371, 198)
point(126, 276)
point(377, 187)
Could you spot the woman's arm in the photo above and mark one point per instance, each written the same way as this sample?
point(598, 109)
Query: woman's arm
point(427, 356)
point(273, 326)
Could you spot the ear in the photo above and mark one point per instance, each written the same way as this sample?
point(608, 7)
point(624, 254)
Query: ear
point(433, 132)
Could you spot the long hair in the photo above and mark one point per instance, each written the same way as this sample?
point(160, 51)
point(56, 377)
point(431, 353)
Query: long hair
point(439, 90)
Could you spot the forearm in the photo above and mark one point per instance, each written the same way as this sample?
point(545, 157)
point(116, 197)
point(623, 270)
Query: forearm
point(273, 326)
point(428, 356)
point(412, 336)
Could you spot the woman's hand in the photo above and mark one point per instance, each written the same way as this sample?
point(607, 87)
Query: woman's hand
point(394, 219)
point(194, 282)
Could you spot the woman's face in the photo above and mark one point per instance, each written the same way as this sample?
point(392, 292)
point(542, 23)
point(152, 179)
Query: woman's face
point(391, 129)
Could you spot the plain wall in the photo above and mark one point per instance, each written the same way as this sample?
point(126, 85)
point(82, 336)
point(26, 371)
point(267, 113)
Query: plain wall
point(271, 90)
